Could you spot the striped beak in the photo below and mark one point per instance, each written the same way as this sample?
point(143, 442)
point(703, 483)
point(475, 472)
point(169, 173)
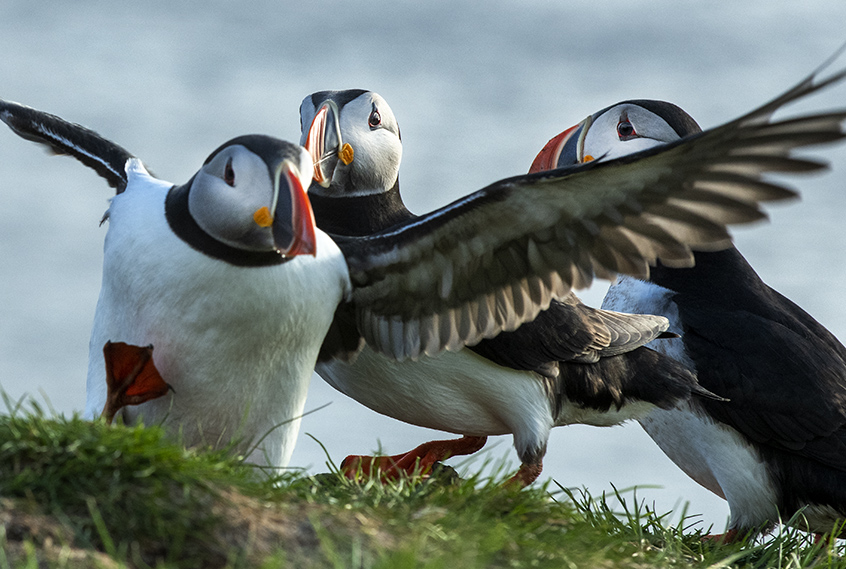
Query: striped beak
point(566, 149)
point(323, 142)
point(292, 221)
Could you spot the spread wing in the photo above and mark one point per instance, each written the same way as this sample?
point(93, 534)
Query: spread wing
point(63, 137)
point(496, 258)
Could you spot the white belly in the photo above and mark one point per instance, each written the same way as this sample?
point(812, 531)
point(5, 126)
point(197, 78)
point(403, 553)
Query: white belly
point(713, 454)
point(463, 393)
point(237, 344)
point(458, 392)
point(719, 458)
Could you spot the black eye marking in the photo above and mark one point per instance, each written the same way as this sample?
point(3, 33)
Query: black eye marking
point(625, 130)
point(375, 119)
point(229, 173)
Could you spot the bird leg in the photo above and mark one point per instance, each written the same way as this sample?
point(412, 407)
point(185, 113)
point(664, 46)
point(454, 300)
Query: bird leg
point(131, 377)
point(417, 461)
point(526, 474)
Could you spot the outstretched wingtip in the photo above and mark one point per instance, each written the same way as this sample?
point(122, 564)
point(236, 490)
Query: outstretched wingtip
point(810, 84)
point(105, 157)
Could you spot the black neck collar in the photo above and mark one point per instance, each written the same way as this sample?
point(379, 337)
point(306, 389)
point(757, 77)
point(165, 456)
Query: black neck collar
point(359, 215)
point(183, 225)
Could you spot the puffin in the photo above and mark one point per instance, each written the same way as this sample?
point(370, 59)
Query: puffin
point(238, 293)
point(568, 363)
point(220, 294)
point(775, 448)
point(221, 283)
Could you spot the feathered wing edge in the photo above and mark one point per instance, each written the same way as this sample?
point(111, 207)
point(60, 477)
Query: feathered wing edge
point(527, 273)
point(62, 137)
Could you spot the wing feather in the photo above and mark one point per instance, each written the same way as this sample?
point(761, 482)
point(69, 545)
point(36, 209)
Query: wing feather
point(509, 249)
point(63, 137)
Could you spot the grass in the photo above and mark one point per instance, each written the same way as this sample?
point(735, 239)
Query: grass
point(79, 494)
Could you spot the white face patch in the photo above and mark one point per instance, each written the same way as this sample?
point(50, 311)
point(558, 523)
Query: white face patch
point(225, 195)
point(603, 139)
point(369, 126)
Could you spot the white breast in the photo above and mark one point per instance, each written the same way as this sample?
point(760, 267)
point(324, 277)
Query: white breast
point(718, 458)
point(237, 344)
point(713, 454)
point(463, 393)
point(458, 392)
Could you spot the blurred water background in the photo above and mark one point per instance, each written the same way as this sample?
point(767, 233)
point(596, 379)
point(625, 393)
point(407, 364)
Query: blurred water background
point(477, 90)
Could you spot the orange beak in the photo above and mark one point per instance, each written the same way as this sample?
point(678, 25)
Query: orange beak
point(294, 228)
point(564, 149)
point(323, 142)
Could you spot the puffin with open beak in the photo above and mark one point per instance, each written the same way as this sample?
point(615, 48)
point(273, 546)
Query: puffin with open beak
point(570, 363)
point(778, 445)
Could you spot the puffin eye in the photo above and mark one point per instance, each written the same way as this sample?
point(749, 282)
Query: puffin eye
point(625, 130)
point(375, 119)
point(229, 173)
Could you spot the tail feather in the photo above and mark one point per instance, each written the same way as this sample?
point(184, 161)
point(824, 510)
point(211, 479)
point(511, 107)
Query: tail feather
point(641, 375)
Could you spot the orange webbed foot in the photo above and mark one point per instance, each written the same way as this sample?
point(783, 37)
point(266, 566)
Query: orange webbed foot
point(131, 377)
point(415, 462)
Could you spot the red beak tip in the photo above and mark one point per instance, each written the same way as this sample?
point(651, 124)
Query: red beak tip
point(302, 247)
point(305, 240)
point(547, 158)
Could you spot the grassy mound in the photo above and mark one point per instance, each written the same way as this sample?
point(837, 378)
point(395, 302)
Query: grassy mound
point(79, 494)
